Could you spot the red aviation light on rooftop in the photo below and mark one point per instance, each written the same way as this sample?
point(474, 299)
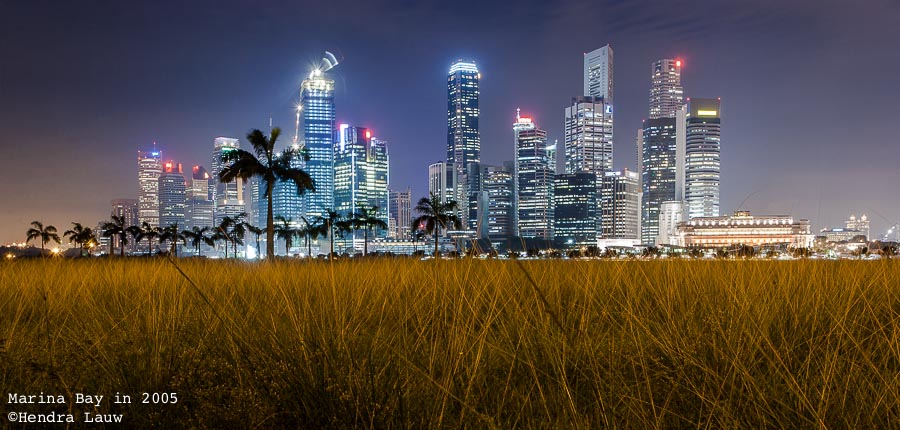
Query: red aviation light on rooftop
point(677, 63)
point(368, 134)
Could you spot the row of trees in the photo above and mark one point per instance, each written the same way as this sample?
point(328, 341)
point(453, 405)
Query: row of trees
point(270, 167)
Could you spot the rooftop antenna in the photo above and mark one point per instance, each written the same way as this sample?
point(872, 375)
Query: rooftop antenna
point(297, 127)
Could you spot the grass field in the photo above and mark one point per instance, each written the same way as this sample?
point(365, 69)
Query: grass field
point(459, 344)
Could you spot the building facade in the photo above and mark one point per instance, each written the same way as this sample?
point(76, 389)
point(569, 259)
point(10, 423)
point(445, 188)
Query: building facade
point(861, 224)
point(172, 192)
point(497, 203)
point(128, 210)
point(742, 228)
point(575, 209)
point(463, 136)
point(441, 181)
point(228, 196)
point(666, 93)
point(400, 214)
point(659, 173)
point(598, 73)
point(620, 208)
point(535, 168)
point(702, 165)
point(200, 208)
point(589, 136)
point(360, 175)
point(318, 123)
point(149, 171)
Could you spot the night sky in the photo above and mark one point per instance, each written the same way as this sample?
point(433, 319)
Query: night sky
point(809, 88)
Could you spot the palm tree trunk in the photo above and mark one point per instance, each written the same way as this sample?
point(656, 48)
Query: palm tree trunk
point(270, 224)
point(436, 254)
point(331, 233)
point(42, 248)
point(308, 247)
point(366, 243)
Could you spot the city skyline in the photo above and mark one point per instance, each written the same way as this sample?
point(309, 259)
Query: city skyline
point(760, 169)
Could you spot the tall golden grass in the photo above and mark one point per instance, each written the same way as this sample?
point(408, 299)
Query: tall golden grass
point(461, 344)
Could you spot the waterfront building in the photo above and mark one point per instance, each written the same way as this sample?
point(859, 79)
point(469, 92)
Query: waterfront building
point(742, 228)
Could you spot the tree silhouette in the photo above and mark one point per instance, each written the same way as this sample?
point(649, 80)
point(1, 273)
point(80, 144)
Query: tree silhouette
point(365, 219)
point(198, 236)
point(80, 237)
point(44, 233)
point(116, 228)
point(435, 216)
point(270, 167)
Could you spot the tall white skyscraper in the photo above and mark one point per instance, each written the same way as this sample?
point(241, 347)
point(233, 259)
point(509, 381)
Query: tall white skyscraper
point(589, 136)
point(598, 73)
point(172, 192)
point(464, 138)
point(149, 171)
point(702, 165)
point(535, 168)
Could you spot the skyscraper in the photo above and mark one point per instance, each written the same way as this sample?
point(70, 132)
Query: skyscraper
point(598, 73)
point(662, 146)
point(702, 160)
point(360, 175)
point(229, 197)
point(575, 209)
point(497, 203)
point(659, 173)
point(535, 167)
point(172, 189)
point(589, 136)
point(200, 206)
point(441, 181)
point(620, 207)
point(400, 214)
point(666, 94)
point(149, 171)
point(128, 210)
point(463, 138)
point(317, 118)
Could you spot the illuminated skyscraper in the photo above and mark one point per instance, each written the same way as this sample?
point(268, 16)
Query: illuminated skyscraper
point(666, 94)
point(662, 146)
point(620, 207)
point(360, 175)
point(400, 214)
point(535, 167)
point(598, 73)
point(317, 122)
point(229, 197)
point(172, 201)
point(128, 210)
point(589, 136)
point(149, 171)
point(702, 160)
point(575, 209)
point(463, 138)
point(200, 206)
point(497, 203)
point(441, 181)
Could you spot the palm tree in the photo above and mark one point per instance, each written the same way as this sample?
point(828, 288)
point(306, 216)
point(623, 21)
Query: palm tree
point(309, 233)
point(45, 234)
point(366, 219)
point(436, 215)
point(149, 232)
point(257, 232)
point(285, 230)
point(231, 230)
point(329, 225)
point(79, 236)
point(116, 228)
point(197, 236)
point(173, 235)
point(270, 167)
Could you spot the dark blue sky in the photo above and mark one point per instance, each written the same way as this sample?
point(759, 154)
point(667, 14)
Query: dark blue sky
point(809, 88)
